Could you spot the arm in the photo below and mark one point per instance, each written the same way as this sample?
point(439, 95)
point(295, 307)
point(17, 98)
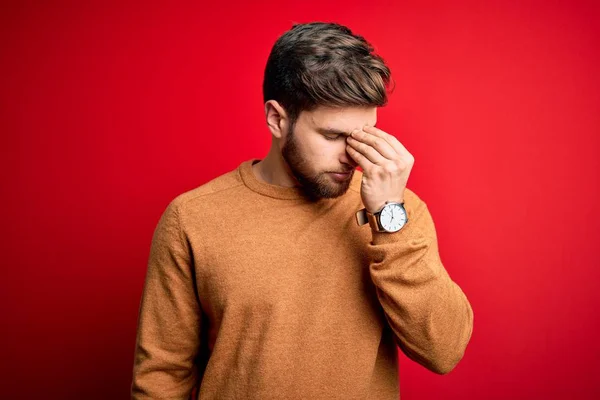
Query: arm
point(169, 320)
point(429, 314)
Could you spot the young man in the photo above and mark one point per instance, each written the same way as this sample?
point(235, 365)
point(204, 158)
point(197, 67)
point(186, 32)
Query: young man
point(297, 276)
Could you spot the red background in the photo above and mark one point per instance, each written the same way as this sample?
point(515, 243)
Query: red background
point(108, 111)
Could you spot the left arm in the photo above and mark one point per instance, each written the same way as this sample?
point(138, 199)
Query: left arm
point(429, 314)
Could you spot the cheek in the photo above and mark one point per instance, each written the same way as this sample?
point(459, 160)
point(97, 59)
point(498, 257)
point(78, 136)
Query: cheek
point(328, 150)
point(317, 148)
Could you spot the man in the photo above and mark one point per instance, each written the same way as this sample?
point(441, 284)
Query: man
point(267, 282)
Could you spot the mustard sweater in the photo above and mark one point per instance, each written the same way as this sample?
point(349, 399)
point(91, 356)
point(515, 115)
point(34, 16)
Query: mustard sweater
point(255, 292)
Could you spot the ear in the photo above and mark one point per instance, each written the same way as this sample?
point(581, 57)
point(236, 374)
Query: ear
point(277, 119)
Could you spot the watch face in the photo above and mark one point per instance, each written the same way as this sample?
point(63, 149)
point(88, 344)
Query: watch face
point(392, 217)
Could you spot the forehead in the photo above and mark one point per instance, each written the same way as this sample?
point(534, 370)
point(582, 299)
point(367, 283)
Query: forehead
point(343, 119)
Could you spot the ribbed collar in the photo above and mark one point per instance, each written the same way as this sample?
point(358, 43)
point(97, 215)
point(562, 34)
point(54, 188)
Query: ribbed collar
point(275, 191)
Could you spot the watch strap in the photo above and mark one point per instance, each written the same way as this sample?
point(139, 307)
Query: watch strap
point(363, 216)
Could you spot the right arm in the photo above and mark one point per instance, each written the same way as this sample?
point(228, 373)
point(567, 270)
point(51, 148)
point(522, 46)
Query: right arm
point(169, 320)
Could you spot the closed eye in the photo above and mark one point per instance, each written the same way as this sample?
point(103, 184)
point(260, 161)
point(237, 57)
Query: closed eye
point(333, 138)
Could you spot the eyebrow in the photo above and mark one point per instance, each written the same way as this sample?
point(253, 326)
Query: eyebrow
point(332, 131)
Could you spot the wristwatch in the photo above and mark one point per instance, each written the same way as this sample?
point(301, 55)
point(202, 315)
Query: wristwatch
point(391, 218)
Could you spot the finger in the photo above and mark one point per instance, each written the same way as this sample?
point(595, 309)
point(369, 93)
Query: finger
point(361, 160)
point(391, 139)
point(366, 150)
point(377, 142)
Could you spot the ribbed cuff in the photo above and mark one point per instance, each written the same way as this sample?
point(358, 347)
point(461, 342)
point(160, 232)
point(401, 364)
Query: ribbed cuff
point(407, 232)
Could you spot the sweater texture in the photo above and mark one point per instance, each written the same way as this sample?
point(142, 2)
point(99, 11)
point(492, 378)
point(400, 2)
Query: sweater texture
point(254, 291)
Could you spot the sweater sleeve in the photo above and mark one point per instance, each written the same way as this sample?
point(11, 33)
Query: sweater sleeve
point(169, 319)
point(429, 314)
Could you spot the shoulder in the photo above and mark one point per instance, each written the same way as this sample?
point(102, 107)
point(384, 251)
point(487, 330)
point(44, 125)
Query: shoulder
point(220, 189)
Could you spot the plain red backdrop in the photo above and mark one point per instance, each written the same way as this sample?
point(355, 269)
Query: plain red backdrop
point(109, 110)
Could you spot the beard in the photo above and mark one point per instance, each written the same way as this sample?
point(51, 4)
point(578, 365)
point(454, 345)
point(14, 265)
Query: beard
point(315, 185)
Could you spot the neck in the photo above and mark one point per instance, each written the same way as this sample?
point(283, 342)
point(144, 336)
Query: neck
point(274, 170)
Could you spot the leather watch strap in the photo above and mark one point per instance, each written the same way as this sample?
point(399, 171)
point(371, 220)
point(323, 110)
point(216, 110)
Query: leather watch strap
point(361, 217)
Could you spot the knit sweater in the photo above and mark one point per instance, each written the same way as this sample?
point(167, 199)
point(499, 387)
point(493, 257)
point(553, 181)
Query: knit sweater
point(254, 291)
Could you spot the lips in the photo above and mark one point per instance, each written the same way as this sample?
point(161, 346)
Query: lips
point(340, 176)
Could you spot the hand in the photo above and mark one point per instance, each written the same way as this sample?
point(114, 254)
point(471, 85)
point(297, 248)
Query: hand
point(386, 165)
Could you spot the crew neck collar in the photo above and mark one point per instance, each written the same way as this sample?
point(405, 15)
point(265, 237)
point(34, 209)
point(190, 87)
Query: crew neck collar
point(262, 187)
point(267, 189)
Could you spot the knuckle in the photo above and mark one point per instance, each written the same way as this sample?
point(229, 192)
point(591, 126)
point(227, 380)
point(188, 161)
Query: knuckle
point(394, 167)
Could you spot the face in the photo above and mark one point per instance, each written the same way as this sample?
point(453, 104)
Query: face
point(316, 146)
